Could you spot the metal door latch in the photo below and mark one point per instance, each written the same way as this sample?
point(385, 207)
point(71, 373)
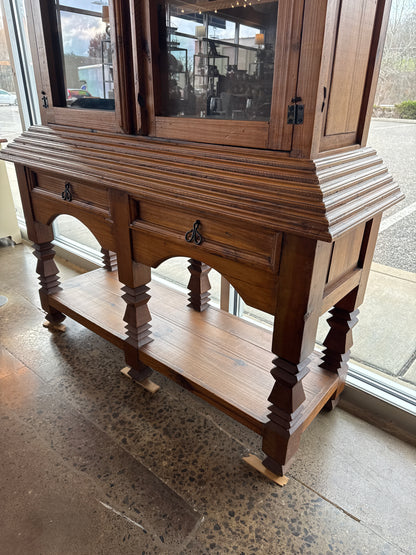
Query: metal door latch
point(295, 111)
point(45, 103)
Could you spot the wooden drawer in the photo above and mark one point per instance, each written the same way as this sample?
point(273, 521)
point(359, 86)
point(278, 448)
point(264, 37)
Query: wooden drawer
point(87, 203)
point(73, 191)
point(196, 233)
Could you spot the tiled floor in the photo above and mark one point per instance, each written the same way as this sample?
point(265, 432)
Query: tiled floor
point(91, 464)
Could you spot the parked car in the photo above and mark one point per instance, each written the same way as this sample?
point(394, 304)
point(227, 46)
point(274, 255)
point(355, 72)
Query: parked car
point(7, 97)
point(73, 94)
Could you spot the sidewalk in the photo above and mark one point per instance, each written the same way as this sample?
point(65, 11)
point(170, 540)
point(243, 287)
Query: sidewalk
point(384, 338)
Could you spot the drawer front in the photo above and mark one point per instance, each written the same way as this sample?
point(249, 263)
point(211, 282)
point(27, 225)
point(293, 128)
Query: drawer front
point(86, 203)
point(194, 233)
point(72, 191)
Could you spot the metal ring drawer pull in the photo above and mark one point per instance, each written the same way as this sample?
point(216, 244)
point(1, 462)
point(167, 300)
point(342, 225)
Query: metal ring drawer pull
point(193, 235)
point(67, 195)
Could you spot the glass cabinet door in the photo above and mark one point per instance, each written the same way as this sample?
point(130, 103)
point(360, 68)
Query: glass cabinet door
point(223, 64)
point(220, 62)
point(84, 31)
point(78, 76)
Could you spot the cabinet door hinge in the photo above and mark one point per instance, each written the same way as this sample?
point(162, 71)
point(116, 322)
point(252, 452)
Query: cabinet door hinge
point(295, 112)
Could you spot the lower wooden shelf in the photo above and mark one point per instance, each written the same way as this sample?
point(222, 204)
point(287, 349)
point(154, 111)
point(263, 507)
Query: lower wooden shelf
point(217, 356)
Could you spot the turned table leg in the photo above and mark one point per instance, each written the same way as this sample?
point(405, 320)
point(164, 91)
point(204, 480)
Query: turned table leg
point(338, 341)
point(303, 268)
point(135, 277)
point(137, 318)
point(42, 236)
point(282, 433)
point(49, 282)
point(198, 285)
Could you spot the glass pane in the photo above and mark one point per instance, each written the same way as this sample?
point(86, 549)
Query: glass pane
point(89, 5)
point(85, 36)
point(219, 59)
point(10, 122)
point(70, 228)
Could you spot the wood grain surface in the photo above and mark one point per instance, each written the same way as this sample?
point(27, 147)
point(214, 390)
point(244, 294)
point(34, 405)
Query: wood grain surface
point(217, 356)
point(320, 199)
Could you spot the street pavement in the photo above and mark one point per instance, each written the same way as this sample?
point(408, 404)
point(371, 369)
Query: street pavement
point(395, 142)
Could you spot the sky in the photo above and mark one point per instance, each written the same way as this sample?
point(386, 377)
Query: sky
point(77, 31)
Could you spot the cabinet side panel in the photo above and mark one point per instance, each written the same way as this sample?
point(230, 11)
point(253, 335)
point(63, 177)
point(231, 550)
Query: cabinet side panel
point(346, 253)
point(352, 51)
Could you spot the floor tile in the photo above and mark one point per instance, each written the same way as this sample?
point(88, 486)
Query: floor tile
point(124, 483)
point(49, 509)
point(8, 363)
point(91, 463)
point(364, 470)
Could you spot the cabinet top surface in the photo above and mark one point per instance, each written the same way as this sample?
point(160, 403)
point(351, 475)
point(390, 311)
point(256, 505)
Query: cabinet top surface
point(320, 198)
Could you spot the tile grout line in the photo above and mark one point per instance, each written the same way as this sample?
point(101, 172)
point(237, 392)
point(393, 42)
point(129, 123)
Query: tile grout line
point(118, 513)
point(391, 275)
point(406, 366)
point(155, 537)
point(350, 515)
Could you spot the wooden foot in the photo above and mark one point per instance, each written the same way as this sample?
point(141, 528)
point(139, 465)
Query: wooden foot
point(333, 402)
point(256, 463)
point(54, 326)
point(146, 383)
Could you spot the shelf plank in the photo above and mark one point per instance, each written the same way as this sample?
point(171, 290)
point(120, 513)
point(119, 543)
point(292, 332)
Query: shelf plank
point(222, 359)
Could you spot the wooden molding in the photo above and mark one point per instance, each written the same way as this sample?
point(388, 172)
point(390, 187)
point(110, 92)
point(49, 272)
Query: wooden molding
point(320, 198)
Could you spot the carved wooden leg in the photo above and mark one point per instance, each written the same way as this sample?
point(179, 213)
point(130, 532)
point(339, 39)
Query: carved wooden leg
point(135, 277)
point(198, 285)
point(338, 343)
point(282, 433)
point(304, 264)
point(49, 281)
point(109, 260)
point(137, 317)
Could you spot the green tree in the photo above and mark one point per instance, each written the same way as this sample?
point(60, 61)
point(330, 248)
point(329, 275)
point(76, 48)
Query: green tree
point(94, 49)
point(397, 81)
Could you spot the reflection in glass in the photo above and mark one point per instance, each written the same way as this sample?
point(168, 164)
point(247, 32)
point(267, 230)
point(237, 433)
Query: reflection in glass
point(219, 59)
point(84, 29)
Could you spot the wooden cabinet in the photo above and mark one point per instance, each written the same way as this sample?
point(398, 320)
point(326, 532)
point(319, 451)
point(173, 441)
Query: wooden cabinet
point(233, 135)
